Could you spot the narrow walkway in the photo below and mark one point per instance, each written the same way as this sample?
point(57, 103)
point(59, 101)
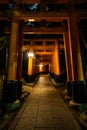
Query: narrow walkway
point(44, 110)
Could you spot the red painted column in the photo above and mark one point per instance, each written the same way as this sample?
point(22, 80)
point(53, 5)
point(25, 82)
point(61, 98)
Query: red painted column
point(12, 54)
point(30, 63)
point(10, 91)
point(56, 59)
point(30, 66)
point(20, 44)
point(67, 52)
point(12, 58)
point(51, 66)
point(76, 61)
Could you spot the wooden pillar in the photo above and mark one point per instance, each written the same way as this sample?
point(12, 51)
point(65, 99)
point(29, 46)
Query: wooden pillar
point(30, 63)
point(12, 88)
point(41, 67)
point(57, 77)
point(12, 58)
point(56, 60)
point(67, 52)
point(37, 65)
point(76, 61)
point(51, 65)
point(53, 62)
point(34, 65)
point(20, 43)
point(12, 54)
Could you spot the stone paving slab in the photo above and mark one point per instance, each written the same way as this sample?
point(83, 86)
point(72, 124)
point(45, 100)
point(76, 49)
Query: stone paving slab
point(44, 110)
point(45, 128)
point(30, 111)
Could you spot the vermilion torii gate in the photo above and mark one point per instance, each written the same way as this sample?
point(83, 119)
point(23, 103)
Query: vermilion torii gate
point(70, 33)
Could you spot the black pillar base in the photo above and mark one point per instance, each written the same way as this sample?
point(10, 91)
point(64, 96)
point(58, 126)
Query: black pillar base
point(12, 89)
point(31, 78)
point(19, 92)
point(57, 78)
point(52, 75)
point(79, 90)
point(69, 88)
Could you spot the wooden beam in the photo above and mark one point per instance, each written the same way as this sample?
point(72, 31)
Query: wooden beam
point(56, 1)
point(29, 1)
point(40, 39)
point(44, 15)
point(4, 1)
point(43, 30)
point(38, 1)
point(40, 30)
point(37, 47)
point(35, 1)
point(44, 53)
point(60, 15)
point(48, 16)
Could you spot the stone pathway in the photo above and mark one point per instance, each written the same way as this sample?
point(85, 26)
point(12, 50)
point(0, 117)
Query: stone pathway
point(44, 110)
